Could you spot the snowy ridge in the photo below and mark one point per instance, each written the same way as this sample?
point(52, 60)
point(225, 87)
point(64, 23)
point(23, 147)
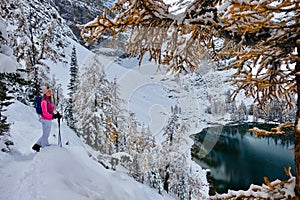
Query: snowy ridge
point(59, 173)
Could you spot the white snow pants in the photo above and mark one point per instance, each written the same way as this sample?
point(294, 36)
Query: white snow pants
point(46, 125)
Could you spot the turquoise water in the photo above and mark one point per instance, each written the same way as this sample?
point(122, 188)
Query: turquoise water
point(237, 159)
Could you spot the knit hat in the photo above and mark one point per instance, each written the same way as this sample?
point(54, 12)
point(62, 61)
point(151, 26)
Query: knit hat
point(45, 89)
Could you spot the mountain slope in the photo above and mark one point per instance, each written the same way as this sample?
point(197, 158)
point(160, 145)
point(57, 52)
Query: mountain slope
point(78, 12)
point(58, 173)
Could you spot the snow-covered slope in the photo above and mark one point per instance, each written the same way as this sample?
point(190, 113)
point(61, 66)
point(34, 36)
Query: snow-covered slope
point(66, 173)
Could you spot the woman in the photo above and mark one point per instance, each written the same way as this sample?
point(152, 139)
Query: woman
point(46, 119)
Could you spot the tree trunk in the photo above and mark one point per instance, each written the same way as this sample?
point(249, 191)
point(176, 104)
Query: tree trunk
point(297, 146)
point(297, 131)
point(166, 180)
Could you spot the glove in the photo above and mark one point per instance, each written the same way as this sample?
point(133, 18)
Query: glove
point(57, 116)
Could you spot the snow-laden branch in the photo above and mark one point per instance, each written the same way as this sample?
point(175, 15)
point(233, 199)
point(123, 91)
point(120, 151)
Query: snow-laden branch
point(8, 62)
point(260, 38)
point(270, 190)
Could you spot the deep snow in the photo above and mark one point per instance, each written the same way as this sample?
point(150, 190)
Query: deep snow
point(59, 173)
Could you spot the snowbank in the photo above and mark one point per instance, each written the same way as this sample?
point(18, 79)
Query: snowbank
point(59, 173)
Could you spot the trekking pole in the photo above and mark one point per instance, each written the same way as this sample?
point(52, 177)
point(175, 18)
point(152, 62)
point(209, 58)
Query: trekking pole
point(59, 136)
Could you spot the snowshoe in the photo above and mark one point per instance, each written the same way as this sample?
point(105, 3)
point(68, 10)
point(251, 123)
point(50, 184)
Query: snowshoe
point(36, 147)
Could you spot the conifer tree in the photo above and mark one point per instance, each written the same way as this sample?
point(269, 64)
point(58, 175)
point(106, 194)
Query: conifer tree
point(183, 188)
point(112, 107)
point(135, 170)
point(132, 133)
point(255, 113)
point(89, 117)
point(72, 86)
point(227, 102)
point(234, 116)
point(233, 107)
point(172, 160)
point(7, 66)
point(4, 102)
point(242, 112)
point(155, 179)
point(172, 125)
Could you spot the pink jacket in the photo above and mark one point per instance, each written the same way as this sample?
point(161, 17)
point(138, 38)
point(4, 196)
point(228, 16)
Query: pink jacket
point(47, 108)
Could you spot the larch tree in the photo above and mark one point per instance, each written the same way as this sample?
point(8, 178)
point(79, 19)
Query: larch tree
point(139, 141)
point(115, 115)
point(261, 38)
point(132, 134)
point(32, 38)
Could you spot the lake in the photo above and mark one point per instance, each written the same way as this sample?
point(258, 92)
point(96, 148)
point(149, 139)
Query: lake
point(236, 158)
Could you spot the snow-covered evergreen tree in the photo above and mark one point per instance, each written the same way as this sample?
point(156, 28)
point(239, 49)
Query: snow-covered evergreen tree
point(255, 113)
point(233, 107)
point(228, 102)
point(132, 137)
point(289, 115)
point(4, 102)
point(242, 112)
point(115, 115)
point(244, 108)
point(135, 170)
point(172, 125)
point(234, 116)
point(149, 141)
point(183, 187)
point(173, 157)
point(7, 65)
point(155, 179)
point(87, 113)
point(72, 86)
